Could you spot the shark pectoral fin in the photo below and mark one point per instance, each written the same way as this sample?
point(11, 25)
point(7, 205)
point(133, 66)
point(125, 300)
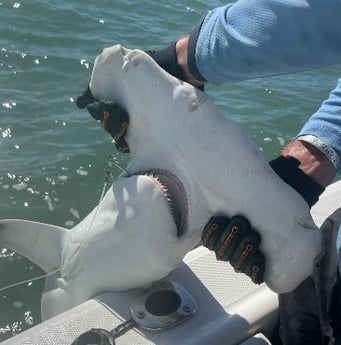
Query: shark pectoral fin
point(40, 243)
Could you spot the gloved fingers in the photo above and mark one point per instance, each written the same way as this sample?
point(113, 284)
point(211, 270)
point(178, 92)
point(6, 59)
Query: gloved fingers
point(114, 120)
point(213, 230)
point(234, 241)
point(233, 234)
point(255, 267)
point(247, 246)
point(96, 110)
point(122, 146)
point(84, 99)
point(223, 235)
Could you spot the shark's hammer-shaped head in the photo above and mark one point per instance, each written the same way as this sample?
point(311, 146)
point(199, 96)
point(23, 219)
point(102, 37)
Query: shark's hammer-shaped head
point(135, 82)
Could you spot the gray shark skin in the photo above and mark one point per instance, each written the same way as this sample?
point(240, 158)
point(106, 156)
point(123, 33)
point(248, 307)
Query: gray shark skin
point(187, 163)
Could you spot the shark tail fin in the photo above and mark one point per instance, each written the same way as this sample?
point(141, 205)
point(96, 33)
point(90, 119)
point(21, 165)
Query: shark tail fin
point(40, 243)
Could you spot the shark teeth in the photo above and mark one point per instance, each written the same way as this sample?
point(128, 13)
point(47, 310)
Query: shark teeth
point(159, 184)
point(174, 192)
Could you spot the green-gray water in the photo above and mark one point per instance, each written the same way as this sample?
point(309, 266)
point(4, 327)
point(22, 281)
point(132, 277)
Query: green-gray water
point(52, 155)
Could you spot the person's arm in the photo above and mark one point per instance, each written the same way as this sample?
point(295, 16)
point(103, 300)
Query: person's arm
point(313, 162)
point(318, 145)
point(323, 129)
point(322, 132)
point(257, 38)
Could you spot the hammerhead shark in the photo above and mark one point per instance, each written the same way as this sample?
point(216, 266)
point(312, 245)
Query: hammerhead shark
point(187, 163)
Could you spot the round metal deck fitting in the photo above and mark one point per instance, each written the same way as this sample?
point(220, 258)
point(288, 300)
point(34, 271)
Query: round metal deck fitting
point(164, 305)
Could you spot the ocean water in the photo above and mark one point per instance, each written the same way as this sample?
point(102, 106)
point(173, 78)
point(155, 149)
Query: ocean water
point(53, 155)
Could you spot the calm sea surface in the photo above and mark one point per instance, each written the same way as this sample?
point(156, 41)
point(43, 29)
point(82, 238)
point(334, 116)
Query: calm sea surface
point(52, 155)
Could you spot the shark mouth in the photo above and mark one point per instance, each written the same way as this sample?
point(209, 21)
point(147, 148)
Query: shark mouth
point(174, 192)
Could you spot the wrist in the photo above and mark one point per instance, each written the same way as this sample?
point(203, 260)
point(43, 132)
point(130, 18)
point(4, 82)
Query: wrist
point(313, 162)
point(287, 168)
point(181, 48)
point(328, 151)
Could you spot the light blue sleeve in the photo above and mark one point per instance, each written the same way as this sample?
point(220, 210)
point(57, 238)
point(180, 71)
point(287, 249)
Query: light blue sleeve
point(325, 124)
point(257, 38)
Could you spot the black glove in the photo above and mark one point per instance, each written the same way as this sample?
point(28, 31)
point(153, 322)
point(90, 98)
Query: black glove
point(235, 241)
point(113, 118)
point(167, 59)
point(287, 169)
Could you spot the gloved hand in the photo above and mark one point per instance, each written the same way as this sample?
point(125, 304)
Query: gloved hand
point(235, 241)
point(113, 118)
point(167, 59)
